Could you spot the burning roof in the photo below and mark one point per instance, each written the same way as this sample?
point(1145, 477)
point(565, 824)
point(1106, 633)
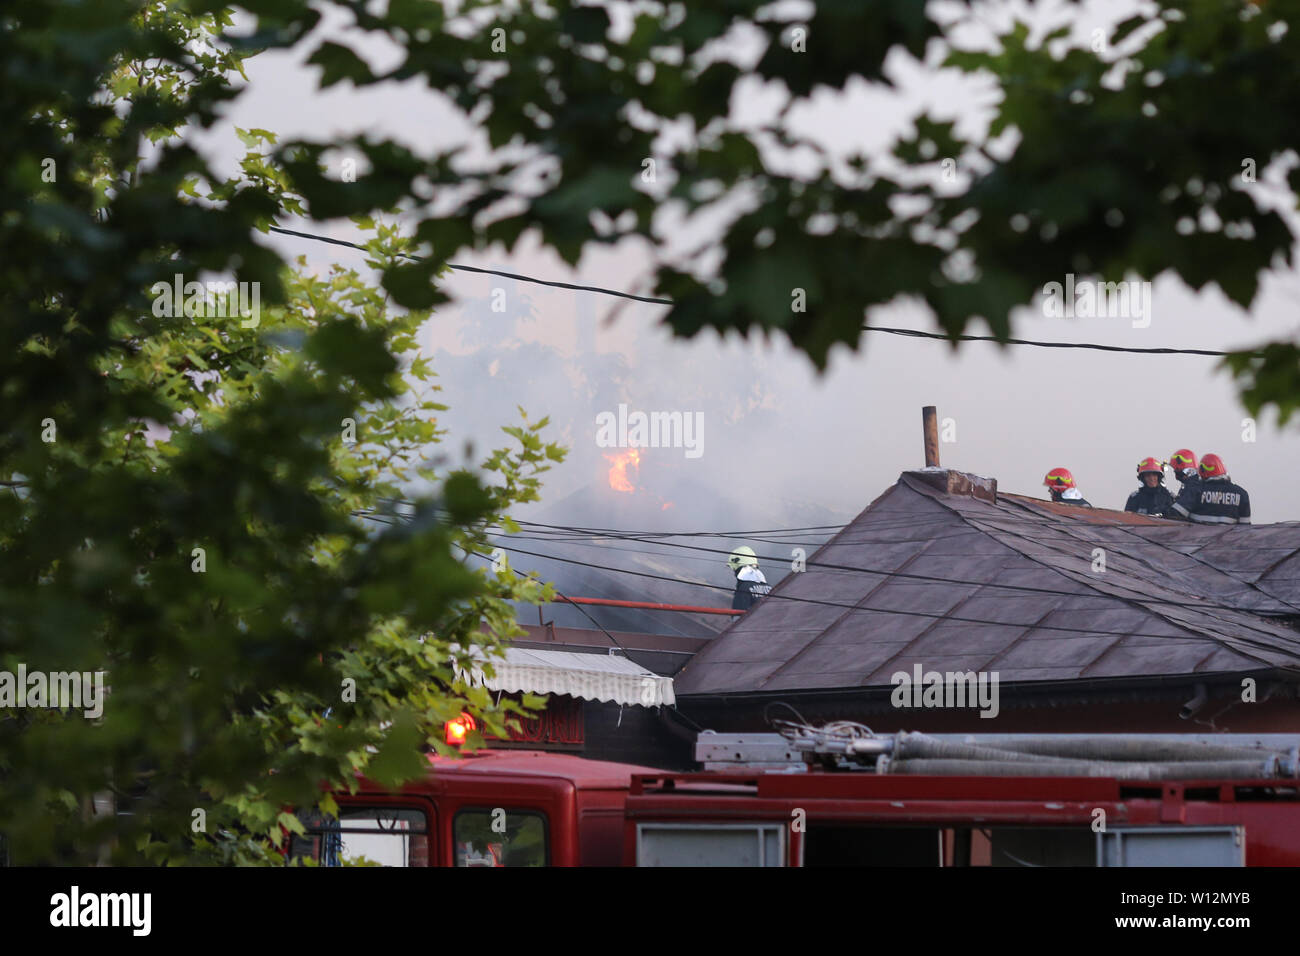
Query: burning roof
point(626, 543)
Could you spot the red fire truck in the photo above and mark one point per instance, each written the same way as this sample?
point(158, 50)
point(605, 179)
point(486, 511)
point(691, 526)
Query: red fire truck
point(842, 796)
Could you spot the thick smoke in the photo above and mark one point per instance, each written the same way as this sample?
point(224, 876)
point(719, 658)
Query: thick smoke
point(554, 354)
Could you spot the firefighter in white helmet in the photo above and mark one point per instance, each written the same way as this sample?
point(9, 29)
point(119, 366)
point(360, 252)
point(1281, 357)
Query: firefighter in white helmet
point(750, 583)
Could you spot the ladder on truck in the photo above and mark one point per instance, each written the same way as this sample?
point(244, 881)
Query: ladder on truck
point(854, 747)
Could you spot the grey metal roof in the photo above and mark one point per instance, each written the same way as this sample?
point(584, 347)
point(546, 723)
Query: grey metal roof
point(975, 580)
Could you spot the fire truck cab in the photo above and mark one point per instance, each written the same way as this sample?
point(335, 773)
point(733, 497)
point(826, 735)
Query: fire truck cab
point(489, 808)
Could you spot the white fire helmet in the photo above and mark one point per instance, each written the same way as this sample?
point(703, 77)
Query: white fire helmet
point(742, 557)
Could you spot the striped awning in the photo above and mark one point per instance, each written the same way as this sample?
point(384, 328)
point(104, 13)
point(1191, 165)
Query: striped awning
point(607, 677)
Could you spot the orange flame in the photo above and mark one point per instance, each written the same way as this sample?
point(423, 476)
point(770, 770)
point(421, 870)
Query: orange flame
point(618, 478)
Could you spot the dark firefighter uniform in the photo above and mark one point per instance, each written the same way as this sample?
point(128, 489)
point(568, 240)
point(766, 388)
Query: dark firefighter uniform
point(1150, 501)
point(750, 586)
point(1216, 501)
point(1188, 496)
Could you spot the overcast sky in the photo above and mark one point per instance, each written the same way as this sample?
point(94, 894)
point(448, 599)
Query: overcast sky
point(774, 429)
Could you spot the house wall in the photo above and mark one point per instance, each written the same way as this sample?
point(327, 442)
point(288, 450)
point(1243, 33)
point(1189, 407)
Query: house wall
point(637, 735)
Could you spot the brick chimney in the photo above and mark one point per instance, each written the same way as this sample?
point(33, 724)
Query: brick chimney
point(943, 479)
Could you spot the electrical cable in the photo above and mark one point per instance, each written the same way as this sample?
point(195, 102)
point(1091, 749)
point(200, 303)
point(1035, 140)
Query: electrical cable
point(494, 272)
point(931, 579)
point(1224, 644)
point(914, 333)
point(928, 579)
point(654, 300)
point(521, 574)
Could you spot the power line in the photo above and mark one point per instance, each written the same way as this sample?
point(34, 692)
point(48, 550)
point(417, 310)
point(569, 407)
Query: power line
point(822, 528)
point(1038, 625)
point(914, 333)
point(521, 574)
point(1181, 604)
point(829, 566)
point(493, 272)
point(584, 531)
point(369, 516)
point(611, 547)
point(935, 579)
point(1193, 604)
point(564, 532)
point(612, 638)
point(655, 300)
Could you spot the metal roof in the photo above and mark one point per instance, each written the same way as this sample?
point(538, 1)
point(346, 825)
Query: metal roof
point(970, 579)
point(584, 772)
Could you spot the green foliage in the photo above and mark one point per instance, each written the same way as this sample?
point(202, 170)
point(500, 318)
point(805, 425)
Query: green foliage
point(301, 645)
point(1270, 376)
point(1122, 163)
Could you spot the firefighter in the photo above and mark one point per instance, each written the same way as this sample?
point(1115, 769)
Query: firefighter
point(1061, 484)
point(1183, 462)
point(1218, 500)
point(1153, 498)
point(750, 582)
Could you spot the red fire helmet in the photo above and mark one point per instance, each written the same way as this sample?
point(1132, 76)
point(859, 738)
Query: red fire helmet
point(1149, 465)
point(1183, 459)
point(1212, 466)
point(1059, 479)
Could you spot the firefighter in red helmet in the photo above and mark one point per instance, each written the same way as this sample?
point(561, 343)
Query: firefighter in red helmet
point(1218, 500)
point(1183, 463)
point(1153, 498)
point(1061, 483)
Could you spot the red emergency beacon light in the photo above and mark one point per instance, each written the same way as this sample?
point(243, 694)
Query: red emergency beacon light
point(458, 728)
